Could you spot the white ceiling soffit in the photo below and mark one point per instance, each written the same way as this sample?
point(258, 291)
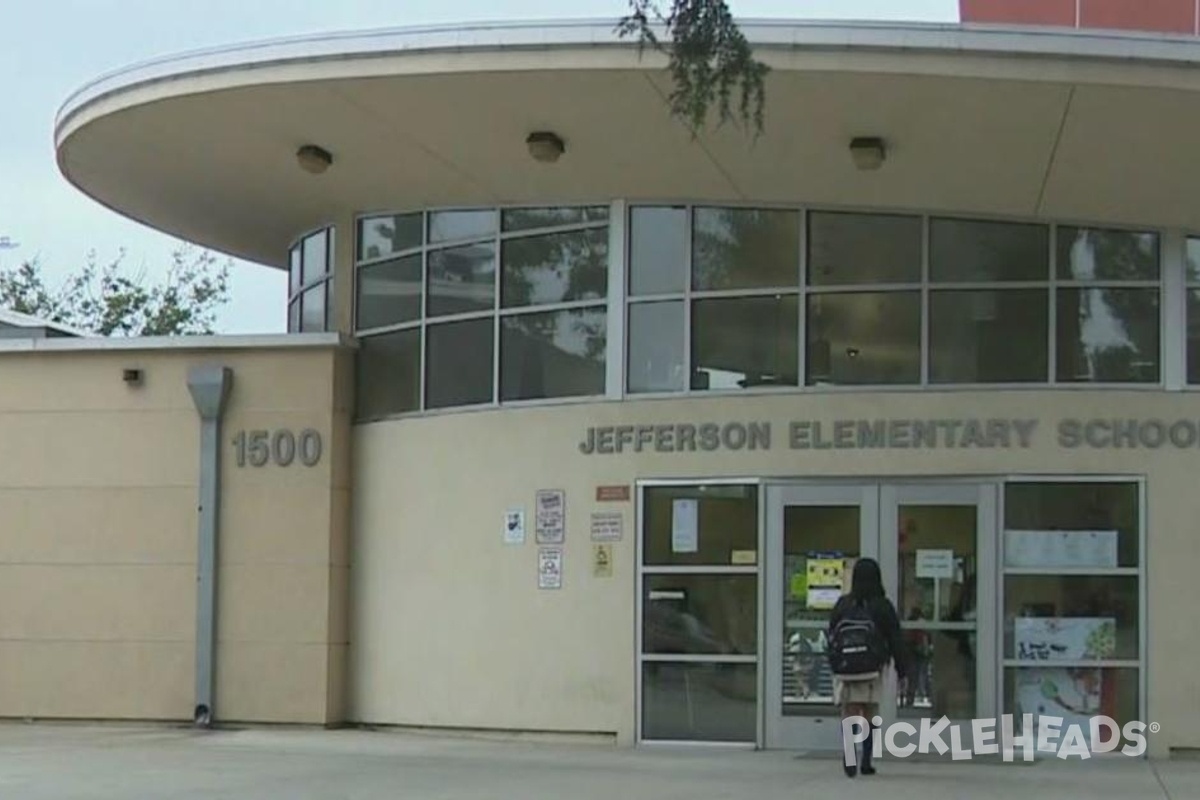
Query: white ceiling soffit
point(1080, 126)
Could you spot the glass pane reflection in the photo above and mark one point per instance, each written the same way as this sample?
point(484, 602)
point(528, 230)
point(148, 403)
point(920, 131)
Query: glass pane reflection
point(658, 249)
point(864, 338)
point(522, 219)
point(989, 336)
point(462, 279)
point(742, 248)
point(458, 363)
point(846, 249)
point(556, 354)
point(382, 236)
point(1108, 335)
point(745, 342)
point(389, 293)
point(445, 226)
point(963, 250)
point(942, 675)
point(656, 347)
point(555, 268)
point(388, 371)
point(312, 309)
point(700, 614)
point(699, 702)
point(1086, 254)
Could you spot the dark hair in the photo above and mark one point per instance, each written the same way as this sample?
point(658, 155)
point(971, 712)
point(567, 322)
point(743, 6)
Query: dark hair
point(867, 580)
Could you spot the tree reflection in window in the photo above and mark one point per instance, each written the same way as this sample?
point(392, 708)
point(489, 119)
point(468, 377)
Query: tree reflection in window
point(1109, 331)
point(745, 248)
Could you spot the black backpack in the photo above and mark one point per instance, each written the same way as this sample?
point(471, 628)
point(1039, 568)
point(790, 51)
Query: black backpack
point(855, 644)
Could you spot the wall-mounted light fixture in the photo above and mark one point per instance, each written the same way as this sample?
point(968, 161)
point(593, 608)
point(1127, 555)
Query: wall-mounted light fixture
point(132, 376)
point(545, 146)
point(868, 152)
point(314, 159)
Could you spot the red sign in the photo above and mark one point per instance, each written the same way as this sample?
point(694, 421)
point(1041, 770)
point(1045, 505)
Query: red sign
point(610, 494)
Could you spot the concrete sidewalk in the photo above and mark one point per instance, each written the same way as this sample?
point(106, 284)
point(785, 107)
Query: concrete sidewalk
point(50, 762)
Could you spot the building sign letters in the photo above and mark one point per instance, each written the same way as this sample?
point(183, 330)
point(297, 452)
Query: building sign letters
point(888, 434)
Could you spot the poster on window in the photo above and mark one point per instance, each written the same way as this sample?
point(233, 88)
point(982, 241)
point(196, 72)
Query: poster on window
point(824, 579)
point(685, 526)
point(1064, 638)
point(1075, 694)
point(551, 505)
point(1087, 549)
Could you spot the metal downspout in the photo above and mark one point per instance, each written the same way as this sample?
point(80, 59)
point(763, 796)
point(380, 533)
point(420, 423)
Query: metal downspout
point(209, 387)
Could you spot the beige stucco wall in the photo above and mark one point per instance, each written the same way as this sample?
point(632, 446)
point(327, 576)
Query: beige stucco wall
point(98, 537)
point(451, 629)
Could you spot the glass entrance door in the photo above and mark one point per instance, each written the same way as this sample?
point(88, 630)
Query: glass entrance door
point(939, 568)
point(814, 536)
point(935, 544)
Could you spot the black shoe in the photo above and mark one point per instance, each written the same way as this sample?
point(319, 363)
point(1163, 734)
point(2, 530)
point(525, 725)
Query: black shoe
point(867, 769)
point(851, 770)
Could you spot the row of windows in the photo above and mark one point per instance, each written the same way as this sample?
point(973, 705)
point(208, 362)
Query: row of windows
point(463, 308)
point(740, 298)
point(498, 305)
point(310, 271)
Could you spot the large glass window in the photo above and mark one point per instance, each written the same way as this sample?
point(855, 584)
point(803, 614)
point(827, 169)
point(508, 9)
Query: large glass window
point(1108, 306)
point(989, 336)
point(745, 248)
point(886, 300)
point(310, 284)
point(698, 651)
point(743, 342)
point(553, 354)
point(864, 338)
point(506, 305)
point(388, 376)
point(458, 360)
point(848, 249)
point(1072, 587)
point(974, 251)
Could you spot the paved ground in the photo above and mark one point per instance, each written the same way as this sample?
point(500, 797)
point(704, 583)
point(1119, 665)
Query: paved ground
point(44, 762)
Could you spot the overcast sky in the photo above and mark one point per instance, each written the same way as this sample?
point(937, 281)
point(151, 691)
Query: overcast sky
point(49, 48)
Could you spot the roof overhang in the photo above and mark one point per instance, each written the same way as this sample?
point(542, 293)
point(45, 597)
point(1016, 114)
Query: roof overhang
point(1067, 125)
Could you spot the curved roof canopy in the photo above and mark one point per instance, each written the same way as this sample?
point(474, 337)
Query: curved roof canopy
point(1068, 125)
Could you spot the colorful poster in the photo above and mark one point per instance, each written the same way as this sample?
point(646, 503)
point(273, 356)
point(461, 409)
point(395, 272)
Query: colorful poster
point(824, 579)
point(1076, 695)
point(1064, 638)
point(551, 505)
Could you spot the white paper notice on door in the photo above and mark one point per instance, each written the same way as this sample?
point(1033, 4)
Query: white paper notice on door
point(685, 528)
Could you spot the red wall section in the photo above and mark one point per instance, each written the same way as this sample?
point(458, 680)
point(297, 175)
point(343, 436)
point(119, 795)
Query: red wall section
point(1162, 16)
point(1021, 12)
point(1152, 16)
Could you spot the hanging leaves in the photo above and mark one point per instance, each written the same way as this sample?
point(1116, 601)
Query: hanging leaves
point(712, 64)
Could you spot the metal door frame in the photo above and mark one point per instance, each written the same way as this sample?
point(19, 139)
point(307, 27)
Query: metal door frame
point(879, 501)
point(801, 733)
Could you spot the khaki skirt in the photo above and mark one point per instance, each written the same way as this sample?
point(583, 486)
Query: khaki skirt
point(868, 691)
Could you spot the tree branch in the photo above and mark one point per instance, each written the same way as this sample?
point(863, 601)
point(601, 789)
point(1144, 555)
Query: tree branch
point(710, 61)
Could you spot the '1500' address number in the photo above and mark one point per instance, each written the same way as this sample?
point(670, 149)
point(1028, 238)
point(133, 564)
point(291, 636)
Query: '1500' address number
point(282, 447)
